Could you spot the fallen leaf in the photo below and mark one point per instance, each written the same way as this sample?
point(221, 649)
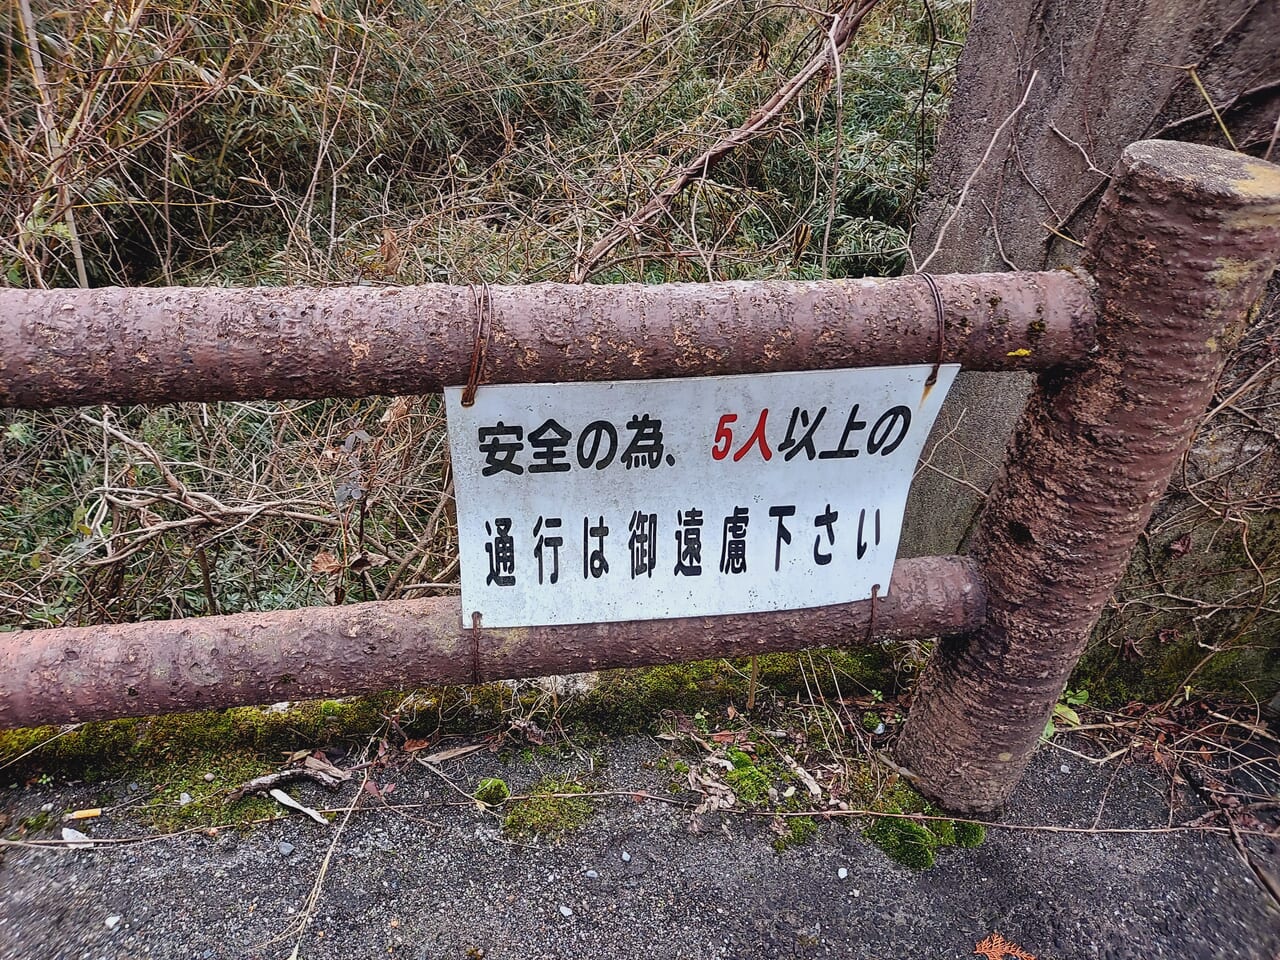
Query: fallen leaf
point(326, 563)
point(806, 778)
point(453, 753)
point(365, 560)
point(321, 764)
point(996, 947)
point(413, 746)
point(532, 732)
point(282, 798)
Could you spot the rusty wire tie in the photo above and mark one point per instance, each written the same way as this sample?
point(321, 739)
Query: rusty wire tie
point(475, 648)
point(871, 619)
point(940, 313)
point(484, 333)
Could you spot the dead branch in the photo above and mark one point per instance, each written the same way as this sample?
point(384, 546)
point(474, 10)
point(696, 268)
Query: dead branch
point(271, 780)
point(844, 25)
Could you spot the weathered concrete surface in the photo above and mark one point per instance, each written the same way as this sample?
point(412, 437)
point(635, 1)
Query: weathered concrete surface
point(1111, 72)
point(436, 881)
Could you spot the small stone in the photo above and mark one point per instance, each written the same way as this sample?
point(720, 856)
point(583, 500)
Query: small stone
point(184, 799)
point(1065, 768)
point(133, 788)
point(46, 808)
point(565, 912)
point(842, 873)
point(208, 778)
point(286, 848)
point(113, 922)
point(592, 875)
point(879, 729)
point(857, 892)
point(626, 857)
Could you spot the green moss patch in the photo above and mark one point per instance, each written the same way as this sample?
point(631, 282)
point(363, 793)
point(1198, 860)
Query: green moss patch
point(915, 842)
point(551, 810)
point(492, 792)
point(797, 832)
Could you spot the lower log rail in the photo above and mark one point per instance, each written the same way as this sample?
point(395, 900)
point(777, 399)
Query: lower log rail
point(73, 674)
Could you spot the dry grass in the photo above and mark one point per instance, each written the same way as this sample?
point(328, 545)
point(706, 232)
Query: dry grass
point(211, 142)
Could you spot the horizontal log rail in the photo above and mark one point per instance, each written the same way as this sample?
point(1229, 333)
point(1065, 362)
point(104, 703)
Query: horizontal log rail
point(137, 669)
point(170, 344)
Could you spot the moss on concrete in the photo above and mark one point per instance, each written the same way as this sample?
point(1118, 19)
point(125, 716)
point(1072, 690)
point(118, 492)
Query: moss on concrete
point(798, 831)
point(492, 791)
point(629, 701)
point(749, 783)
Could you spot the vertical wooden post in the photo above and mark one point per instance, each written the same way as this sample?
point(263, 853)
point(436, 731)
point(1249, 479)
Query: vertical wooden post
point(1183, 245)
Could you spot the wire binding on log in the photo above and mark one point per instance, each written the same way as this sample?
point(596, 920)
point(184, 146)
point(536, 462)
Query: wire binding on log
point(484, 331)
point(942, 326)
point(871, 617)
point(475, 648)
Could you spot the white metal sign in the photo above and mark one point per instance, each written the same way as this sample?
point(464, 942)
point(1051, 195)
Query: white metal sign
point(643, 500)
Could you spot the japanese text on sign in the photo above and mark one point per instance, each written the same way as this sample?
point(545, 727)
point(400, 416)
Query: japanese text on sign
point(636, 500)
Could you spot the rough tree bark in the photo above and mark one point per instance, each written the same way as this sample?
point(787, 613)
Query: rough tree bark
point(1110, 72)
point(168, 344)
point(1183, 246)
point(72, 674)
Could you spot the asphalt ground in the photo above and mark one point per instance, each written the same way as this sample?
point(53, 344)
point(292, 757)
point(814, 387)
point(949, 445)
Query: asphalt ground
point(426, 874)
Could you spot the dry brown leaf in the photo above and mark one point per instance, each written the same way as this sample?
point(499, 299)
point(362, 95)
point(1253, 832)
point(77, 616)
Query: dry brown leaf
point(321, 764)
point(413, 746)
point(325, 562)
point(389, 250)
point(453, 753)
point(365, 560)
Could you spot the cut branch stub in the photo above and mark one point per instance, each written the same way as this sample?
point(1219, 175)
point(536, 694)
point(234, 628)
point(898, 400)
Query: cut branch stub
point(1185, 240)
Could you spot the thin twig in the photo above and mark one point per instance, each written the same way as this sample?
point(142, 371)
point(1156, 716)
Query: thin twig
point(849, 19)
point(968, 184)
